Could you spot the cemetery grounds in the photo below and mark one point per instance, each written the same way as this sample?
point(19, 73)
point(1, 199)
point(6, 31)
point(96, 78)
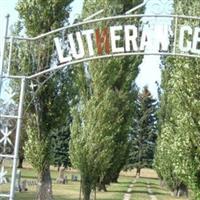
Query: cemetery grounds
point(147, 187)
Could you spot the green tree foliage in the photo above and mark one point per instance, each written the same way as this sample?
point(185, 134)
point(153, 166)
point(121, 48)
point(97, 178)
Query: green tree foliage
point(177, 157)
point(167, 135)
point(60, 151)
point(48, 107)
point(179, 132)
point(60, 147)
point(47, 15)
point(60, 136)
point(144, 134)
point(45, 137)
point(102, 119)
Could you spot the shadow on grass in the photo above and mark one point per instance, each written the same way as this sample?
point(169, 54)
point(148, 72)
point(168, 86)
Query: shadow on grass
point(139, 192)
point(158, 188)
point(146, 192)
point(123, 182)
point(29, 177)
point(139, 187)
point(140, 183)
point(102, 199)
point(153, 178)
point(31, 196)
point(25, 196)
point(116, 191)
point(64, 198)
point(160, 193)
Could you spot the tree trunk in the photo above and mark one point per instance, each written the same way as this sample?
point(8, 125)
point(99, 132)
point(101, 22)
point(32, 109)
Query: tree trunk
point(80, 191)
point(114, 178)
point(138, 172)
point(162, 183)
point(106, 180)
point(61, 176)
point(182, 190)
point(95, 194)
point(20, 162)
point(44, 185)
point(86, 193)
point(86, 187)
point(102, 187)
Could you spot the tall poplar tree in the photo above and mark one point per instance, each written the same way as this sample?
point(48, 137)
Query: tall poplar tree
point(102, 119)
point(168, 134)
point(44, 114)
point(178, 144)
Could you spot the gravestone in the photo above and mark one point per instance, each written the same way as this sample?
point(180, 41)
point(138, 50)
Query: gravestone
point(65, 180)
point(24, 186)
point(74, 178)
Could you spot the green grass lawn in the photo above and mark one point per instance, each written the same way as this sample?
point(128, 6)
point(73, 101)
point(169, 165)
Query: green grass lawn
point(70, 191)
point(116, 191)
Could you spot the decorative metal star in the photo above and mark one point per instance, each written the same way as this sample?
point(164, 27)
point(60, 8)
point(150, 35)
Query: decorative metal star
point(5, 139)
point(2, 176)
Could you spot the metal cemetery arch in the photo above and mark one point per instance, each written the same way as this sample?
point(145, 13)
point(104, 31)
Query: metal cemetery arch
point(171, 51)
point(94, 43)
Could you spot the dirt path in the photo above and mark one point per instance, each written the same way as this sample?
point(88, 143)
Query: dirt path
point(147, 187)
point(127, 195)
point(150, 192)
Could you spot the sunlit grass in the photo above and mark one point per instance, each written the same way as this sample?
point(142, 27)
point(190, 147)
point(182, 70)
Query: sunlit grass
point(116, 191)
point(71, 190)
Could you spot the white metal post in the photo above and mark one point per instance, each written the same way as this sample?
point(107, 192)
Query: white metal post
point(17, 138)
point(3, 51)
point(10, 55)
point(175, 34)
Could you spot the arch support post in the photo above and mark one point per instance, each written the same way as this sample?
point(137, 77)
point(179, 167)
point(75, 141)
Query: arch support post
point(17, 138)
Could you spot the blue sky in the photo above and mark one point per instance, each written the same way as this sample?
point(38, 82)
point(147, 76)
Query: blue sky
point(149, 69)
point(6, 7)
